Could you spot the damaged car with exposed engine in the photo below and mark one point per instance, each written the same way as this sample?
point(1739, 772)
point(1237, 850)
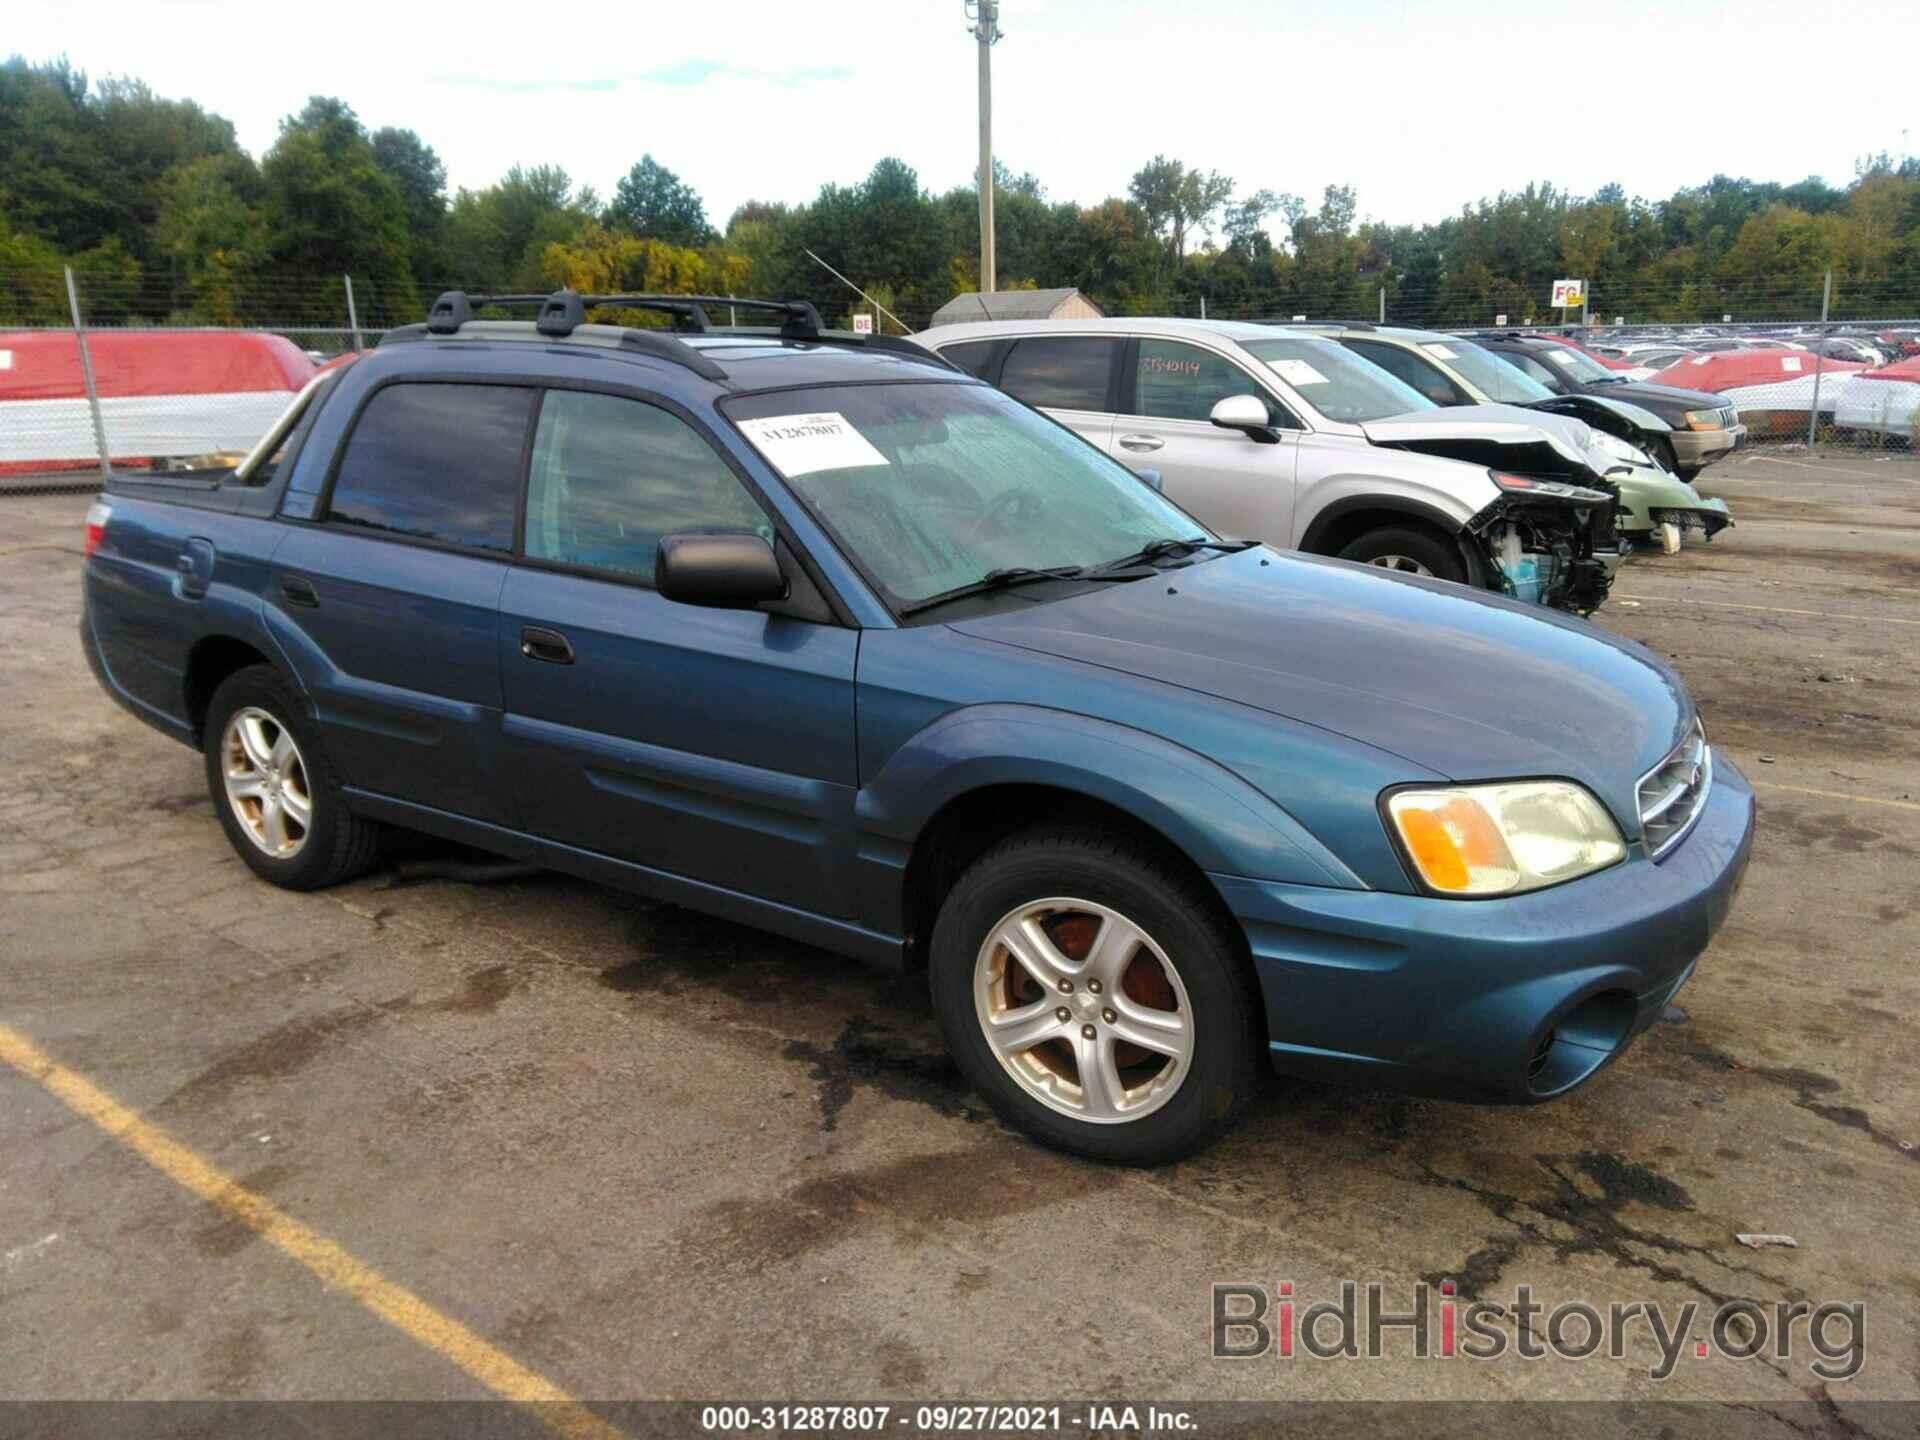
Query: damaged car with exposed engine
point(1658, 503)
point(1294, 440)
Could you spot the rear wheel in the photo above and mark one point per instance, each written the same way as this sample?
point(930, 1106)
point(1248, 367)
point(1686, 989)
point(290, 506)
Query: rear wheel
point(277, 797)
point(1096, 998)
point(1409, 551)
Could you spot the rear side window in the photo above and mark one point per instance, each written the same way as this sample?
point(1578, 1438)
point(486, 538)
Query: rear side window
point(611, 476)
point(1184, 382)
point(436, 462)
point(974, 356)
point(1068, 373)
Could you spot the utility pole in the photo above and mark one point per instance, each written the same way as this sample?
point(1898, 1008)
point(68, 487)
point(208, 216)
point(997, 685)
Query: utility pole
point(986, 29)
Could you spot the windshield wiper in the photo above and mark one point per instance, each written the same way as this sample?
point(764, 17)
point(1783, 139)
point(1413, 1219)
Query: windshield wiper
point(1160, 549)
point(996, 580)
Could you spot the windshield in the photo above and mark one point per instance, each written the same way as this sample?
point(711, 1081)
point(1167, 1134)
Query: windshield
point(1572, 363)
point(1491, 375)
point(929, 487)
point(1335, 381)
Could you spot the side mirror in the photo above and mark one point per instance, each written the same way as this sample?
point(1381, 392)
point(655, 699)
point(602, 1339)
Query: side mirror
point(721, 572)
point(1150, 479)
point(1245, 413)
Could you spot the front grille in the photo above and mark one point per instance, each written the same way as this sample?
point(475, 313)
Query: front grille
point(1729, 416)
point(1672, 793)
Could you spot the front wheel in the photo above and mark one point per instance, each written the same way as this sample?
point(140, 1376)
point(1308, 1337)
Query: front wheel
point(1408, 551)
point(1096, 997)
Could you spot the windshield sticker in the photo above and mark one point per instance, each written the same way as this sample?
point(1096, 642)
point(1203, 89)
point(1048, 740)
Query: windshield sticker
point(802, 444)
point(1703, 360)
point(1297, 372)
point(1439, 352)
point(1561, 357)
point(6, 359)
point(1790, 362)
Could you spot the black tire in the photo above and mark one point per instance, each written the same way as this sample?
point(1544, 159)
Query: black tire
point(1439, 556)
point(1689, 474)
point(1136, 879)
point(1661, 449)
point(338, 844)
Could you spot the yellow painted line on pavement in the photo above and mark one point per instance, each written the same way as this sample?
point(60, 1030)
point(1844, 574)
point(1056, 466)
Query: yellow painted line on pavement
point(334, 1267)
point(1836, 795)
point(1769, 609)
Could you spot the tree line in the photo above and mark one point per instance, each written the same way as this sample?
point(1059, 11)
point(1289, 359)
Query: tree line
point(165, 217)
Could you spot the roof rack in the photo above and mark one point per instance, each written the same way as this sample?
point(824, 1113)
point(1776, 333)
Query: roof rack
point(562, 312)
point(1320, 324)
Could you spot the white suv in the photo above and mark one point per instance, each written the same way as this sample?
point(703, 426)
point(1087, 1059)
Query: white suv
point(1295, 440)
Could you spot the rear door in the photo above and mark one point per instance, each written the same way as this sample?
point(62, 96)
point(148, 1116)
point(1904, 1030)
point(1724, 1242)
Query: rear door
point(386, 605)
point(1235, 484)
point(712, 744)
point(1074, 378)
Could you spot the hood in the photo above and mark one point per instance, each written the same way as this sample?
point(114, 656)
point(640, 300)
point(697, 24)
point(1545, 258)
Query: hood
point(1503, 437)
point(1612, 412)
point(1642, 392)
point(1456, 681)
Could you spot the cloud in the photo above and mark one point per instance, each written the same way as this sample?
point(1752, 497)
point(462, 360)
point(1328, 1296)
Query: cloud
point(678, 74)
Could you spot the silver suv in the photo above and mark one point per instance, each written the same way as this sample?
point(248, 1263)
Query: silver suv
point(1298, 441)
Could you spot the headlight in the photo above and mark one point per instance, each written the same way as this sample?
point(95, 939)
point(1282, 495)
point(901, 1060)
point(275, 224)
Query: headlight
point(1620, 449)
point(1703, 419)
point(1473, 840)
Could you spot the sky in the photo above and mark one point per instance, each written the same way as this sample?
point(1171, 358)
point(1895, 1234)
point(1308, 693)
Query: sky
point(1419, 104)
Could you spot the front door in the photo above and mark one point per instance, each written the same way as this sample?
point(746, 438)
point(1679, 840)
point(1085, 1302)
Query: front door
point(712, 744)
point(1237, 485)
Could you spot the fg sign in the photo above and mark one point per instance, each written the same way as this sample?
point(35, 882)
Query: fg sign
point(863, 324)
point(1569, 294)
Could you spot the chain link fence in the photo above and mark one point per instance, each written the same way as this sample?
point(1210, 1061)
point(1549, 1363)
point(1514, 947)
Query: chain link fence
point(91, 388)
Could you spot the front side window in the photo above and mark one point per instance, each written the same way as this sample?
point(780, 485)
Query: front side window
point(1336, 382)
point(1173, 381)
point(1061, 373)
point(610, 476)
point(1419, 372)
point(436, 462)
point(929, 487)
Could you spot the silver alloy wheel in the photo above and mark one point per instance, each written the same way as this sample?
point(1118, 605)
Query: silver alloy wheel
point(1405, 564)
point(1084, 1010)
point(266, 781)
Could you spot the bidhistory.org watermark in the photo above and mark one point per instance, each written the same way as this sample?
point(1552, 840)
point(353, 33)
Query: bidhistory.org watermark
point(1253, 1321)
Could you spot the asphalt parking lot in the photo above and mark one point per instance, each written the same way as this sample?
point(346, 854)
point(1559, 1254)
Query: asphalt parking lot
point(649, 1155)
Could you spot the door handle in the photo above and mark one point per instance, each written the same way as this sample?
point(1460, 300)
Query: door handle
point(1141, 442)
point(538, 643)
point(298, 590)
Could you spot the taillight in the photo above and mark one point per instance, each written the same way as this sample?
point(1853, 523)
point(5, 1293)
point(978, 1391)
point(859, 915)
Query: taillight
point(98, 514)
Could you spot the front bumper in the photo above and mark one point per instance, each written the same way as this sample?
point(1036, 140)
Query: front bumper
point(1696, 448)
point(1508, 1000)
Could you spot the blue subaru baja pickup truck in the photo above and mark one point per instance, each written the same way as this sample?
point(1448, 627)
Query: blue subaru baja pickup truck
point(817, 633)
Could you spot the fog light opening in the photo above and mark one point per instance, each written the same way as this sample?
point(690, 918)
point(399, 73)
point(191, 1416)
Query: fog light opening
point(1580, 1042)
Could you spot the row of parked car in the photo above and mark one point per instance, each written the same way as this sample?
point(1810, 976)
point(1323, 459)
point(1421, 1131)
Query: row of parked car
point(1861, 384)
point(1502, 462)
